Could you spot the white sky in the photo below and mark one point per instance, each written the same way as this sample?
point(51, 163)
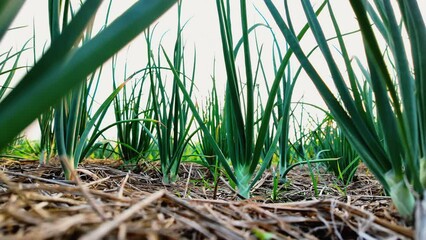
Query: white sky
point(202, 32)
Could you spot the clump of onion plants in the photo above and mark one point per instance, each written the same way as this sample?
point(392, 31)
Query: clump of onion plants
point(330, 142)
point(133, 110)
point(391, 140)
point(212, 114)
point(171, 112)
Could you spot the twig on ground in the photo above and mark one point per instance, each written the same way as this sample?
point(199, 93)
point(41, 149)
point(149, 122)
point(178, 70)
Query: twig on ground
point(108, 226)
point(122, 185)
point(187, 181)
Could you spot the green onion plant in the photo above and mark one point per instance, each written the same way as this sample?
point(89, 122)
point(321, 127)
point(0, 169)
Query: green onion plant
point(244, 148)
point(281, 60)
point(71, 116)
point(45, 121)
point(391, 142)
point(133, 115)
point(330, 142)
point(171, 112)
point(47, 135)
point(212, 114)
point(213, 120)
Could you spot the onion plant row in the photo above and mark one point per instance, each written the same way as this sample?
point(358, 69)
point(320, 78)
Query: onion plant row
point(241, 138)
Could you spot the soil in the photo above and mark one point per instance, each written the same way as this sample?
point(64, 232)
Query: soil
point(107, 201)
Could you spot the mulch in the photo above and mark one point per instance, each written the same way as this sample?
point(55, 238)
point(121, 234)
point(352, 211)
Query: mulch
point(109, 202)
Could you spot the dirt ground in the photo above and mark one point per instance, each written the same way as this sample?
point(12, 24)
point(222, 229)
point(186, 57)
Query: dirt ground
point(108, 202)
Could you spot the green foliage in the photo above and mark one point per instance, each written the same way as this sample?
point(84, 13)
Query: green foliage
point(285, 93)
point(71, 115)
point(330, 142)
point(62, 69)
point(8, 72)
point(65, 66)
point(104, 150)
point(21, 149)
point(213, 120)
point(47, 136)
point(243, 153)
point(134, 122)
point(390, 142)
point(171, 113)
